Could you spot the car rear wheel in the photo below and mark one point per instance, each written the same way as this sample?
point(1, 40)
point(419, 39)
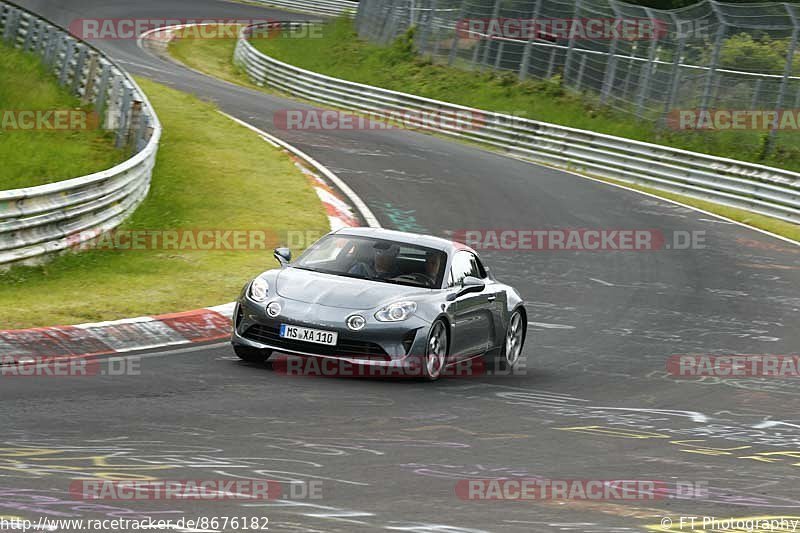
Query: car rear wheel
point(435, 352)
point(251, 355)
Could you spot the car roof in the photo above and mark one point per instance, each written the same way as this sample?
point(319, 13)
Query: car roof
point(428, 241)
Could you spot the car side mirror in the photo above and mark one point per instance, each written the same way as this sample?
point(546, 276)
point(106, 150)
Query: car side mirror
point(468, 285)
point(283, 255)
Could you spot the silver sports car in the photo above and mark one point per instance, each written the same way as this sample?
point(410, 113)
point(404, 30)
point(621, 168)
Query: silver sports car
point(382, 298)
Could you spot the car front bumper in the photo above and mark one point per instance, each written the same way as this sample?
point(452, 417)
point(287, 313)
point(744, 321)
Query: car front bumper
point(385, 344)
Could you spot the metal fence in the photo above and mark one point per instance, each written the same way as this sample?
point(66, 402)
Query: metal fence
point(330, 8)
point(709, 55)
point(50, 218)
point(761, 189)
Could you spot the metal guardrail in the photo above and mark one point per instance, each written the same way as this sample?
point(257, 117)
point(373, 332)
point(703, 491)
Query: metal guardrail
point(330, 8)
point(761, 189)
point(36, 221)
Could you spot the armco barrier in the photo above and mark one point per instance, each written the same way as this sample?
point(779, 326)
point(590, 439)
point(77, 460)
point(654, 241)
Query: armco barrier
point(330, 8)
point(757, 188)
point(40, 220)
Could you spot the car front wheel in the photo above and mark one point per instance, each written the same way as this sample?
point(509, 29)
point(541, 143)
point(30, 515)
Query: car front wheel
point(250, 354)
point(435, 352)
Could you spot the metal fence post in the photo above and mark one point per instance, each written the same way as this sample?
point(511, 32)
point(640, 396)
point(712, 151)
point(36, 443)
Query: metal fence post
point(369, 18)
point(389, 25)
point(489, 39)
point(629, 71)
point(526, 53)
point(81, 62)
point(581, 68)
point(451, 56)
point(360, 10)
point(91, 78)
point(611, 63)
point(380, 27)
point(756, 93)
point(12, 21)
point(4, 16)
point(475, 51)
point(498, 55)
point(435, 32)
point(644, 84)
point(141, 134)
point(424, 35)
point(712, 68)
point(551, 65)
point(787, 71)
point(112, 114)
point(53, 42)
point(44, 40)
point(134, 125)
point(124, 119)
point(674, 81)
point(33, 29)
point(571, 45)
point(64, 74)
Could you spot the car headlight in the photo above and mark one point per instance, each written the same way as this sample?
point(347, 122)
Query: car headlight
point(259, 290)
point(396, 312)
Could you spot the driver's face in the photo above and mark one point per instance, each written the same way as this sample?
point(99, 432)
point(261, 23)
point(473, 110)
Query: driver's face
point(432, 265)
point(384, 262)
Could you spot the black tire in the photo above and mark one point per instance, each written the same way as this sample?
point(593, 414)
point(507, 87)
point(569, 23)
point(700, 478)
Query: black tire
point(500, 363)
point(440, 335)
point(251, 355)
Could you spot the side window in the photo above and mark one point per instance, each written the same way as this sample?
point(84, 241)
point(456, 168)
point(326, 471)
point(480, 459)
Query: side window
point(465, 264)
point(477, 267)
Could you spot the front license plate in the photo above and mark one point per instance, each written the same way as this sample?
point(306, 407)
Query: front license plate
point(318, 336)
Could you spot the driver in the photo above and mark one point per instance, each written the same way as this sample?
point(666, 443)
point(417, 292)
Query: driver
point(384, 261)
point(433, 261)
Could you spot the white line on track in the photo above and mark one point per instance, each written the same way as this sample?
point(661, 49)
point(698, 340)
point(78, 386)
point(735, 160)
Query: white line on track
point(546, 325)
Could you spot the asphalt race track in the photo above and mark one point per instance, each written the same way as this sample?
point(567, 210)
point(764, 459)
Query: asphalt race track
point(595, 402)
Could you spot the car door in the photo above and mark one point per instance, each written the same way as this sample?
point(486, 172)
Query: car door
point(471, 312)
point(497, 303)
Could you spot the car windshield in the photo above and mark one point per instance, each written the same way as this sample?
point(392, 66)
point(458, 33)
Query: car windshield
point(376, 260)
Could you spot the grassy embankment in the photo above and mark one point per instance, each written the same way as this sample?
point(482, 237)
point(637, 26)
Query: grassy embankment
point(211, 174)
point(35, 157)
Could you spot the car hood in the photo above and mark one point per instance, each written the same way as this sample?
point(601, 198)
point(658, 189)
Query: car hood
point(339, 291)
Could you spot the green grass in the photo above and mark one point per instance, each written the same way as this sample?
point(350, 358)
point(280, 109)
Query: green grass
point(32, 158)
point(211, 174)
point(211, 56)
point(341, 54)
